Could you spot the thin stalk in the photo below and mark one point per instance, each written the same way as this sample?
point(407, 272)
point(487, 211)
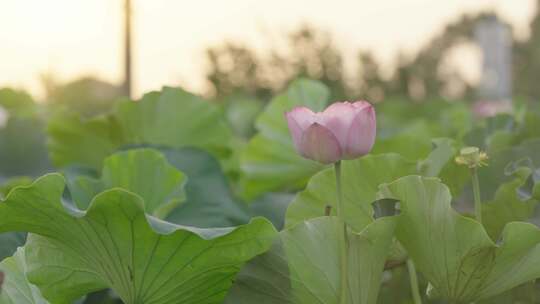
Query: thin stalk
point(476, 192)
point(342, 238)
point(532, 291)
point(414, 282)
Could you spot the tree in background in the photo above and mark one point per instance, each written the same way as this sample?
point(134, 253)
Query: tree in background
point(422, 77)
point(235, 69)
point(372, 85)
point(312, 53)
point(87, 96)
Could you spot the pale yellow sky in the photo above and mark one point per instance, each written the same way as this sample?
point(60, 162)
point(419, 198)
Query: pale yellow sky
point(76, 37)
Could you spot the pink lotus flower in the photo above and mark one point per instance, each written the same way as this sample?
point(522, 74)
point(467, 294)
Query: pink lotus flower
point(343, 131)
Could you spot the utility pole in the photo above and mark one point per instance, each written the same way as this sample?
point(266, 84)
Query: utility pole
point(127, 50)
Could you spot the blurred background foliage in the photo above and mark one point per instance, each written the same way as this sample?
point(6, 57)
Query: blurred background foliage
point(87, 95)
point(84, 120)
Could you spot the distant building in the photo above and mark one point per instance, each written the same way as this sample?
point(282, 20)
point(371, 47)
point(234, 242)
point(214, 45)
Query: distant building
point(495, 41)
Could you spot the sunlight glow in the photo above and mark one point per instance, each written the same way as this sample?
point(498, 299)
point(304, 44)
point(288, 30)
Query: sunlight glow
point(70, 38)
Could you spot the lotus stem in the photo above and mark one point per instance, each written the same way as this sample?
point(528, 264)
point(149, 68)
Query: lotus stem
point(342, 237)
point(417, 299)
point(476, 192)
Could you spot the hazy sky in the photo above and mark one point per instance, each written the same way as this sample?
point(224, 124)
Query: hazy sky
point(77, 37)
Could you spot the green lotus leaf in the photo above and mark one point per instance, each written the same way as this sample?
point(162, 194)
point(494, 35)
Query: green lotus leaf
point(411, 144)
point(15, 288)
point(10, 241)
point(361, 179)
point(506, 207)
point(272, 206)
point(115, 244)
point(209, 199)
point(218, 207)
point(145, 172)
point(270, 162)
point(454, 252)
point(72, 140)
point(526, 171)
point(7, 185)
point(172, 118)
point(303, 265)
point(492, 176)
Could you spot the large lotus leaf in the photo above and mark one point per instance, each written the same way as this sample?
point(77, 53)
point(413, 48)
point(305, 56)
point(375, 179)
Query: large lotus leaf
point(529, 125)
point(440, 163)
point(444, 118)
point(209, 199)
point(73, 140)
point(201, 208)
point(303, 266)
point(105, 296)
point(241, 113)
point(174, 118)
point(145, 172)
point(442, 153)
point(492, 176)
point(528, 293)
point(115, 244)
point(396, 288)
point(361, 179)
point(525, 170)
point(412, 142)
point(489, 132)
point(15, 288)
point(273, 206)
point(454, 252)
point(270, 162)
point(10, 241)
point(219, 207)
point(506, 207)
point(7, 185)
